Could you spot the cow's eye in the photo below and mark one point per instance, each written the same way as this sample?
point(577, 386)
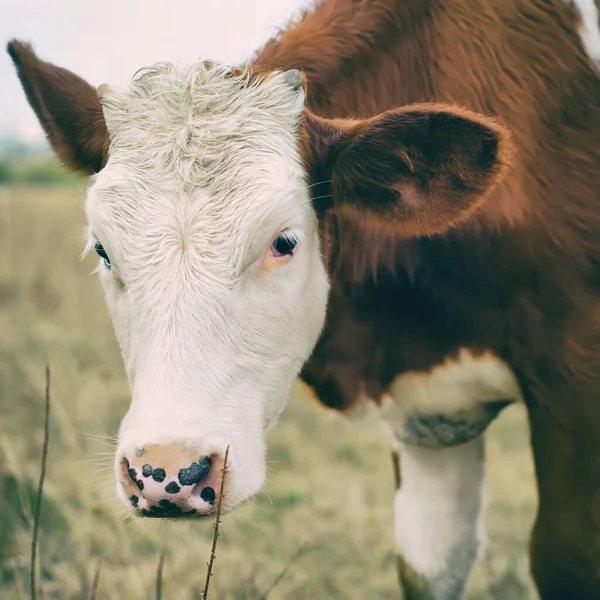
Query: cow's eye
point(284, 244)
point(102, 254)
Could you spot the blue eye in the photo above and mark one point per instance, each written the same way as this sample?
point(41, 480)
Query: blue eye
point(102, 254)
point(284, 245)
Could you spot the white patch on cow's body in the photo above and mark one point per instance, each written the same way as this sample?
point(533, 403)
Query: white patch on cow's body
point(437, 514)
point(203, 172)
point(589, 27)
point(459, 385)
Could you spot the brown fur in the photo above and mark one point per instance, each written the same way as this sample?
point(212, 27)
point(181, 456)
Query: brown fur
point(521, 277)
point(518, 275)
point(67, 107)
point(413, 171)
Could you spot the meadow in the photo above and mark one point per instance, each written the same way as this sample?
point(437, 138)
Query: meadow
point(330, 483)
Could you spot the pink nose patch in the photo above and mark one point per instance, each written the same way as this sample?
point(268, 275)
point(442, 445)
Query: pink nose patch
point(171, 481)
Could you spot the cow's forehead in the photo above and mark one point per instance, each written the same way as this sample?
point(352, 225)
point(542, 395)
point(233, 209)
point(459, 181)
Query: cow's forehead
point(219, 147)
point(199, 119)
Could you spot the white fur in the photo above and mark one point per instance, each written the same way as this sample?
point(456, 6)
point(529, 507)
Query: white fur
point(203, 173)
point(589, 27)
point(458, 384)
point(437, 514)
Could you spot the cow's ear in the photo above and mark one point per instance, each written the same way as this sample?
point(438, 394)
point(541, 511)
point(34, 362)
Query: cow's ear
point(417, 170)
point(67, 108)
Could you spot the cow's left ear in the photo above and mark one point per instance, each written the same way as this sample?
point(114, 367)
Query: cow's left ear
point(417, 170)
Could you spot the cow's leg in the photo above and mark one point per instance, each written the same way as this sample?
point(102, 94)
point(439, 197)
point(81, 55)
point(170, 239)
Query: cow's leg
point(565, 544)
point(437, 513)
point(436, 421)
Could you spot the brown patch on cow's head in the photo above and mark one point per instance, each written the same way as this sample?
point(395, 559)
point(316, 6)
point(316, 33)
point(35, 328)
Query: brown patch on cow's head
point(67, 108)
point(412, 171)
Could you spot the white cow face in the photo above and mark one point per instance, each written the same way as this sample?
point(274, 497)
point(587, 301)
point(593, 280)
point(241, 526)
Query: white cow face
point(210, 261)
point(201, 211)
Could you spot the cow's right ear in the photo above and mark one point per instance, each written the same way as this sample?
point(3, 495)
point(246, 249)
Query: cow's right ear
point(67, 108)
point(417, 170)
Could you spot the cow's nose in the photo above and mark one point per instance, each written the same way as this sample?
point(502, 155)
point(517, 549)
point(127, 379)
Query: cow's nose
point(171, 480)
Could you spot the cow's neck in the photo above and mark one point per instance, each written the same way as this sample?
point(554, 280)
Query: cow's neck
point(382, 287)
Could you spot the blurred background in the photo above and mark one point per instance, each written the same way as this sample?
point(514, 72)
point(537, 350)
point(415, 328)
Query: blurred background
point(330, 485)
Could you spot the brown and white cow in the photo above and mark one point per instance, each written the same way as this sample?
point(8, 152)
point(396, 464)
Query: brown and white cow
point(255, 223)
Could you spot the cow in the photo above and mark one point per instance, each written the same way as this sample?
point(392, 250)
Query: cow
point(397, 201)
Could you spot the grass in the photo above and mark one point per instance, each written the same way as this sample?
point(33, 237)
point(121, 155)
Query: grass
point(330, 485)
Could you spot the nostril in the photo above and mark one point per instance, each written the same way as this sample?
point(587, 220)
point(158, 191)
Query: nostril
point(210, 478)
point(132, 473)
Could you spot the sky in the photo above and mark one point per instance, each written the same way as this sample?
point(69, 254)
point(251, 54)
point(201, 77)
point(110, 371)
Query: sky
point(108, 41)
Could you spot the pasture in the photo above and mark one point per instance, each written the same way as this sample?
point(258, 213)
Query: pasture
point(330, 480)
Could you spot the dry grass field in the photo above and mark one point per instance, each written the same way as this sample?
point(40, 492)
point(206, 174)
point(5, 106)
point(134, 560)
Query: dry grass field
point(330, 483)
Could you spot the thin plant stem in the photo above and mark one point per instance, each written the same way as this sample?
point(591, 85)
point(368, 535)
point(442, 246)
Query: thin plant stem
point(40, 491)
point(216, 527)
point(279, 577)
point(159, 575)
point(96, 581)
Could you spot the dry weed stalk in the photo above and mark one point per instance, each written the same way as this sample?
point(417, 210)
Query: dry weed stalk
point(216, 527)
point(159, 575)
point(40, 491)
point(96, 581)
point(279, 577)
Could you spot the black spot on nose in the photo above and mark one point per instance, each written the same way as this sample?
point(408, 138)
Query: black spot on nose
point(167, 509)
point(132, 473)
point(147, 470)
point(208, 495)
point(172, 488)
point(159, 475)
point(195, 472)
point(140, 484)
point(134, 500)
